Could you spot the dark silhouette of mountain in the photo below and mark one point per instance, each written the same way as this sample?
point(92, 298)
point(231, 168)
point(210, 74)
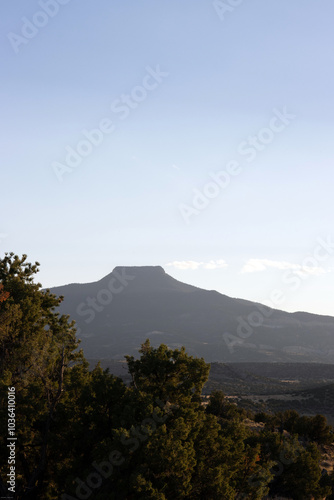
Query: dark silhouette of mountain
point(117, 313)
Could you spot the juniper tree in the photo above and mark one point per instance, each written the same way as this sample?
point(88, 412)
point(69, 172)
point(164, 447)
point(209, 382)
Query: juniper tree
point(37, 347)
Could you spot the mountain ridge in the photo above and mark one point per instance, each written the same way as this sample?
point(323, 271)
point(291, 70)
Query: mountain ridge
point(118, 312)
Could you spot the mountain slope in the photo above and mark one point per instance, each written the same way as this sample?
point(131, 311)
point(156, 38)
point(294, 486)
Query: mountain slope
point(117, 313)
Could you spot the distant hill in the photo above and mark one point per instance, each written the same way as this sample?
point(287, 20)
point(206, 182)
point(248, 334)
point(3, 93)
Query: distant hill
point(117, 313)
point(244, 379)
point(267, 378)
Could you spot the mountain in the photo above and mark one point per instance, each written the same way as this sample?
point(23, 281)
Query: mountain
point(117, 313)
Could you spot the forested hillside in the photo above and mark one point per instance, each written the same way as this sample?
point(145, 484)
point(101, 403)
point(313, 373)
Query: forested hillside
point(79, 434)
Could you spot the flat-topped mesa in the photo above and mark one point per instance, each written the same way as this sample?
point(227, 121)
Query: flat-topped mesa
point(147, 278)
point(119, 312)
point(142, 277)
point(140, 270)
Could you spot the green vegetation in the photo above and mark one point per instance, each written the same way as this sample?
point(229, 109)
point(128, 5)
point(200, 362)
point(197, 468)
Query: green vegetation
point(85, 434)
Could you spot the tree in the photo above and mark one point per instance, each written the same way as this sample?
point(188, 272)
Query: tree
point(320, 431)
point(170, 375)
point(37, 348)
point(302, 479)
point(191, 455)
point(221, 407)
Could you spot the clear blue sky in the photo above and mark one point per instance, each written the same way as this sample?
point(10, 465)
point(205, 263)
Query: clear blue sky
point(184, 91)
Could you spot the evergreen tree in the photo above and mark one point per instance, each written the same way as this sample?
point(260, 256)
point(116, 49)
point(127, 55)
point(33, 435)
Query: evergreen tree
point(170, 375)
point(37, 348)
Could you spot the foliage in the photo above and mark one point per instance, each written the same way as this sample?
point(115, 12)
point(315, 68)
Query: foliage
point(313, 428)
point(221, 407)
point(85, 434)
point(170, 375)
point(37, 347)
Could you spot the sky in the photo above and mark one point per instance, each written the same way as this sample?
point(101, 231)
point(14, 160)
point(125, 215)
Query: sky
point(195, 135)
